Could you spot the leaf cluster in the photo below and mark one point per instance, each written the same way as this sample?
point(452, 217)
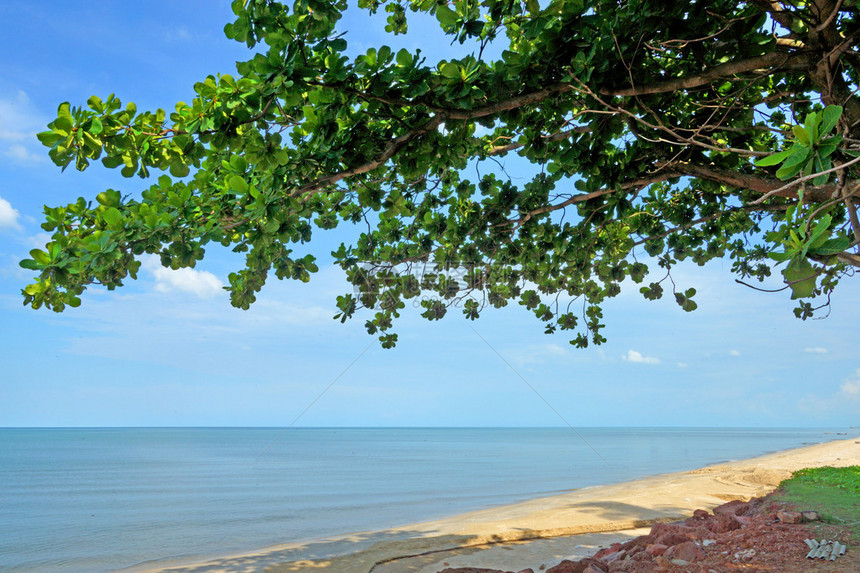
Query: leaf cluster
point(657, 133)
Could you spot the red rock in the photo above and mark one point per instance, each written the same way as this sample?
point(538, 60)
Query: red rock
point(614, 548)
point(688, 551)
point(612, 557)
point(670, 534)
point(581, 566)
point(641, 556)
point(701, 513)
point(479, 570)
point(656, 549)
point(475, 570)
point(789, 516)
point(567, 566)
point(724, 522)
point(736, 507)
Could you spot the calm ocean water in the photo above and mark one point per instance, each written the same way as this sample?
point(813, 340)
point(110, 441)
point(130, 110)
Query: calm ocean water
point(106, 499)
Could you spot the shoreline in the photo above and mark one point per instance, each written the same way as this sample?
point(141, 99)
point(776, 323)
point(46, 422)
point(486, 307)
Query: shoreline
point(539, 531)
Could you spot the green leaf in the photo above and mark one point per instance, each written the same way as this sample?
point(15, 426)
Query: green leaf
point(112, 161)
point(447, 17)
point(450, 70)
point(404, 58)
point(819, 233)
point(813, 120)
point(95, 103)
point(800, 276)
point(802, 135)
point(96, 126)
point(820, 167)
point(237, 184)
point(780, 257)
point(109, 198)
point(793, 164)
point(774, 159)
point(64, 113)
point(830, 117)
point(112, 217)
point(40, 257)
point(178, 169)
point(49, 138)
point(831, 247)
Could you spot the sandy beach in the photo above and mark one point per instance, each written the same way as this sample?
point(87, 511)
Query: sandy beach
point(536, 532)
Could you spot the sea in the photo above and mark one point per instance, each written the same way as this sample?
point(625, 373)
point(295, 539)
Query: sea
point(106, 499)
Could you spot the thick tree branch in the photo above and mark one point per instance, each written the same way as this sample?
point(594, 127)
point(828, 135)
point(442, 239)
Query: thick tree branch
point(396, 144)
point(766, 186)
point(804, 179)
point(772, 60)
point(390, 150)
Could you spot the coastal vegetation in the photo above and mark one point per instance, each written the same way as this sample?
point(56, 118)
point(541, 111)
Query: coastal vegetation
point(656, 132)
point(832, 492)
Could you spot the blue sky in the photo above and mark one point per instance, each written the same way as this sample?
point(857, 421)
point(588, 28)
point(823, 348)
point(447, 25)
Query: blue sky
point(168, 350)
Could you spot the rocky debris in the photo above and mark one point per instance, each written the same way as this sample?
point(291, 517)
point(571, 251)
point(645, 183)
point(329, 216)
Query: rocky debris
point(758, 534)
point(754, 536)
point(736, 508)
point(825, 549)
point(790, 516)
point(745, 555)
point(810, 516)
point(478, 570)
point(687, 551)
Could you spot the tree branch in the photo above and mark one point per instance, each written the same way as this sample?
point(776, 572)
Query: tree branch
point(773, 59)
point(766, 186)
point(776, 11)
point(558, 136)
point(643, 182)
point(805, 178)
point(443, 115)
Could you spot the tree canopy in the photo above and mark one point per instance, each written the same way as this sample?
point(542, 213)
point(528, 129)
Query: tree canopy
point(658, 131)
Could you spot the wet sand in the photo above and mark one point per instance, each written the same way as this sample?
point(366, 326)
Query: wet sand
point(537, 532)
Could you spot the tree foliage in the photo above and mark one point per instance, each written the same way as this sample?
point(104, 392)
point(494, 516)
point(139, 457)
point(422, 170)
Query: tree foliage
point(659, 132)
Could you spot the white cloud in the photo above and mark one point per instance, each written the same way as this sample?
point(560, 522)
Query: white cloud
point(38, 241)
point(8, 215)
point(181, 34)
point(555, 350)
point(538, 354)
point(634, 356)
point(851, 387)
point(199, 283)
point(735, 352)
point(815, 350)
point(682, 364)
point(19, 123)
point(21, 154)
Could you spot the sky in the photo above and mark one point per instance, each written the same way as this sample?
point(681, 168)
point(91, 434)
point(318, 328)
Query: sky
point(169, 350)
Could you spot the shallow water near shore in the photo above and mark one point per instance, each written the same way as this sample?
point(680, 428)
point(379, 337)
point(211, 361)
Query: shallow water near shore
point(106, 499)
